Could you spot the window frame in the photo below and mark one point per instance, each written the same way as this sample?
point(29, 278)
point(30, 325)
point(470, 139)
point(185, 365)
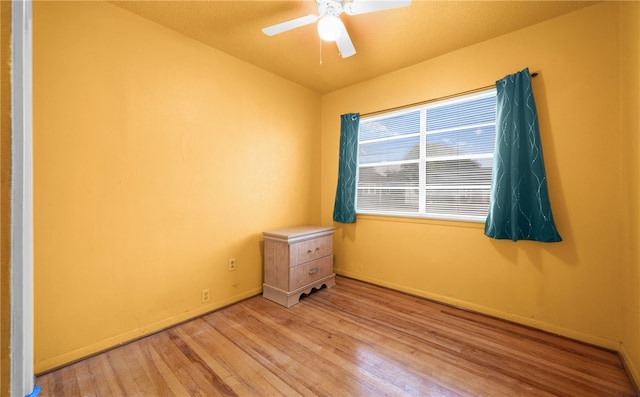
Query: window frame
point(422, 188)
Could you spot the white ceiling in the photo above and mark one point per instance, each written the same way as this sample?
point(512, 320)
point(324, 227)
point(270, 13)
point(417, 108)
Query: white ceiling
point(385, 41)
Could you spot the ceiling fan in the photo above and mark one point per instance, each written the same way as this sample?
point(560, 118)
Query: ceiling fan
point(330, 26)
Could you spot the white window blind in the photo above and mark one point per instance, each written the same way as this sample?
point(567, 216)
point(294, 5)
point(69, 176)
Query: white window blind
point(432, 160)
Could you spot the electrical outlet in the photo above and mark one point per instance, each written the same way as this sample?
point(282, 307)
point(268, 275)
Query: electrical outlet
point(232, 264)
point(205, 295)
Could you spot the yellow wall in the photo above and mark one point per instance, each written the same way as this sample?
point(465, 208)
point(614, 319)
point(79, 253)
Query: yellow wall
point(5, 193)
point(573, 287)
point(156, 158)
point(630, 175)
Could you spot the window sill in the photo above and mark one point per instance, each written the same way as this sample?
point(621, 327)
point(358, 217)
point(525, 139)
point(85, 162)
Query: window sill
point(425, 221)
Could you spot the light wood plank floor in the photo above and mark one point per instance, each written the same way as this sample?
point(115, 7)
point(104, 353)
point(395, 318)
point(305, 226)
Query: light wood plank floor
point(354, 339)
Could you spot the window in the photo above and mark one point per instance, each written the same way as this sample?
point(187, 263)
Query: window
point(432, 161)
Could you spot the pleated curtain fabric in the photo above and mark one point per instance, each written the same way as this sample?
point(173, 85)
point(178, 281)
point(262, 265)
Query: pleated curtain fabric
point(519, 207)
point(344, 210)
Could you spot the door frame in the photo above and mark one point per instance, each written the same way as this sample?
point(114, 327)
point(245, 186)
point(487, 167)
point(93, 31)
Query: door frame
point(21, 344)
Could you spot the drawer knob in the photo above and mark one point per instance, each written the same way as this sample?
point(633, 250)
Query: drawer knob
point(313, 270)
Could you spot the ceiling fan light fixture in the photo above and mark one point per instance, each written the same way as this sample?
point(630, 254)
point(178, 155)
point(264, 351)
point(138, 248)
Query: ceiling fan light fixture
point(330, 27)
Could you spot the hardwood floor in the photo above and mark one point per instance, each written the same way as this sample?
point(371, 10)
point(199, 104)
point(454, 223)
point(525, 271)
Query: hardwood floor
point(354, 339)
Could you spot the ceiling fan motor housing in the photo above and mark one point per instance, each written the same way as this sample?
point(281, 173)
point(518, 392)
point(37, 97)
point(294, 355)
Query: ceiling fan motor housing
point(330, 7)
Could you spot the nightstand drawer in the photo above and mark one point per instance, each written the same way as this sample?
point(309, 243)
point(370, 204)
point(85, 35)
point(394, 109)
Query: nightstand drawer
point(306, 251)
point(307, 273)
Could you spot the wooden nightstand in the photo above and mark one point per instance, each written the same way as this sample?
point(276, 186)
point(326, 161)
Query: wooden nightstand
point(296, 260)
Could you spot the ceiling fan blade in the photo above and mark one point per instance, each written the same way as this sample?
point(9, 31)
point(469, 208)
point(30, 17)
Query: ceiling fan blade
point(291, 24)
point(344, 43)
point(357, 7)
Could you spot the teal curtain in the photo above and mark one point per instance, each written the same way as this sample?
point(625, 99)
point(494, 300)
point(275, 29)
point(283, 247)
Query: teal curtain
point(519, 207)
point(344, 210)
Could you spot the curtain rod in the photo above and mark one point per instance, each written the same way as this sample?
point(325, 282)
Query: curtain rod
point(534, 74)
